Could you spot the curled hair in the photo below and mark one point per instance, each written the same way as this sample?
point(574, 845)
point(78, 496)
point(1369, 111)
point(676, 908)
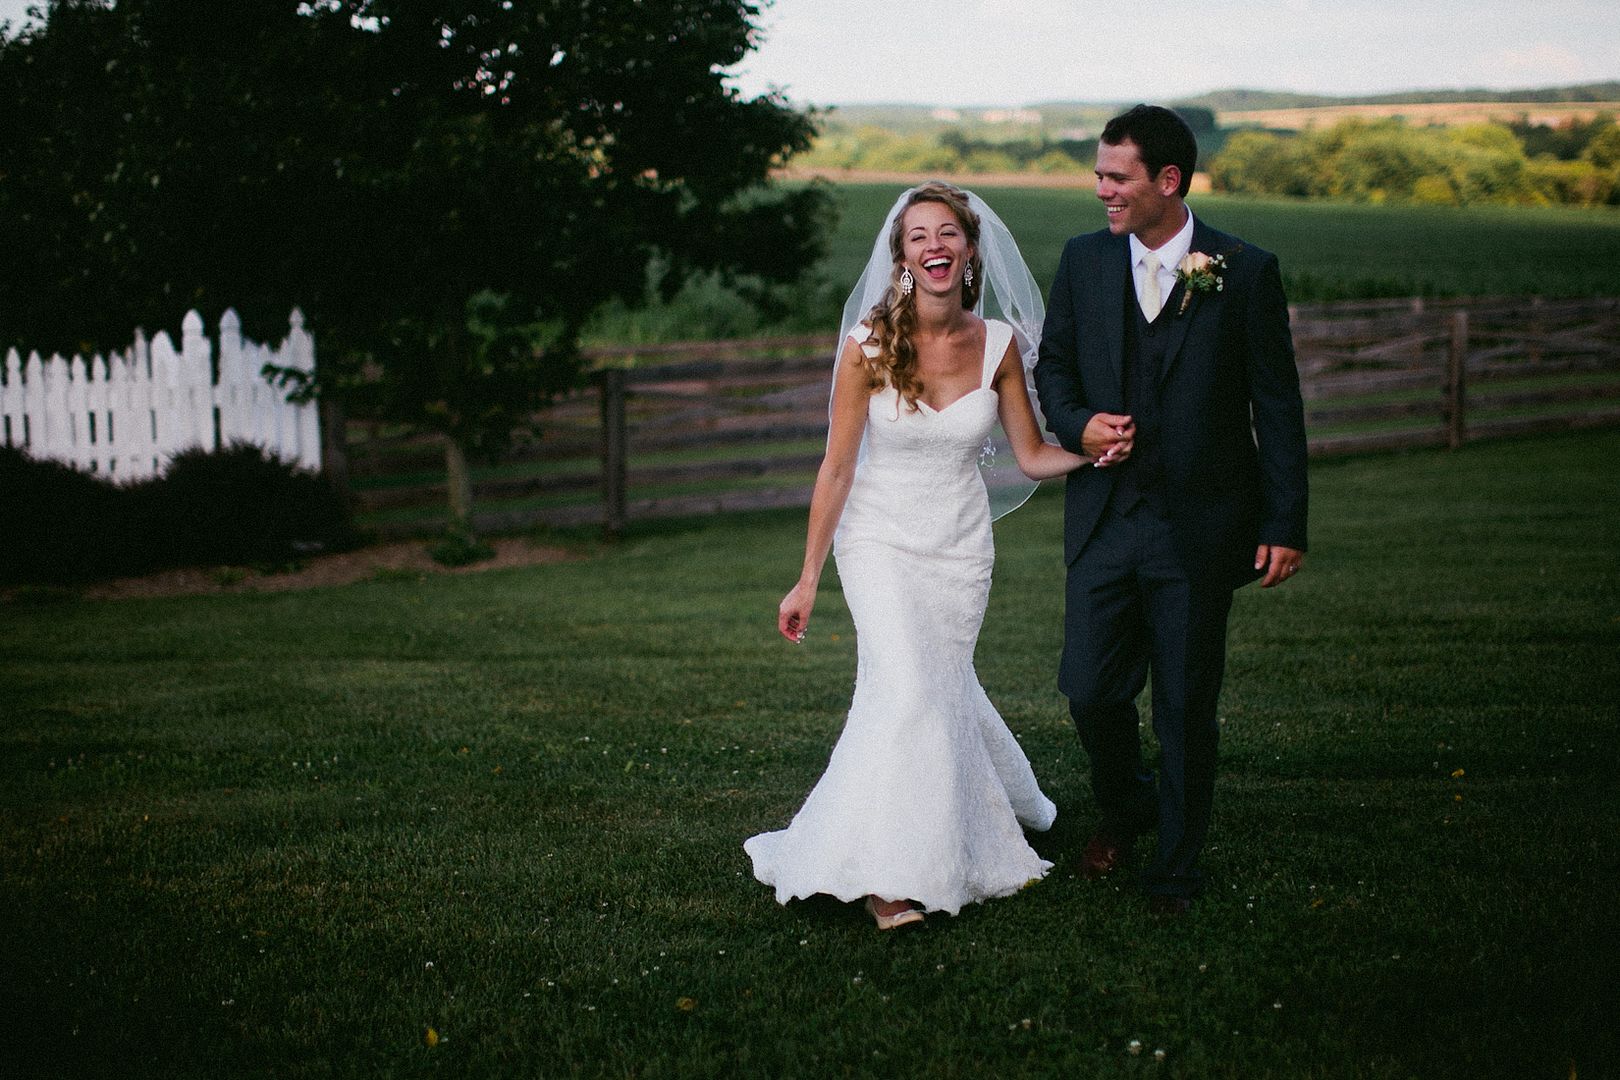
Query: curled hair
point(893, 319)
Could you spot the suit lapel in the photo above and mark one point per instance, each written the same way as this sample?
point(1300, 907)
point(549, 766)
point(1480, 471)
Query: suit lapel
point(1111, 277)
point(1202, 240)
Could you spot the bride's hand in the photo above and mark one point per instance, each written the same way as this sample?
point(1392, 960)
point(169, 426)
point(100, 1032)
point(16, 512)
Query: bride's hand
point(793, 614)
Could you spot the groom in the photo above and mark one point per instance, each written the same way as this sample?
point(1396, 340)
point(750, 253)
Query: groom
point(1166, 357)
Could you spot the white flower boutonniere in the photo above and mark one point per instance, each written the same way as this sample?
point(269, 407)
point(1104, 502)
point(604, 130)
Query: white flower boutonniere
point(1198, 273)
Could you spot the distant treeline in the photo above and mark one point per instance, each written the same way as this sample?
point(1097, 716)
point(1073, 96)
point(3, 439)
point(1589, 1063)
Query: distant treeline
point(1576, 163)
point(955, 149)
point(1250, 100)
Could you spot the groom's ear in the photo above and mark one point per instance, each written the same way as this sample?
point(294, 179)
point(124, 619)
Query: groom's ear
point(1169, 180)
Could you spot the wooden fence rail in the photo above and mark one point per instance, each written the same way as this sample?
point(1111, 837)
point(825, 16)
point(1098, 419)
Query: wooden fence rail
point(719, 426)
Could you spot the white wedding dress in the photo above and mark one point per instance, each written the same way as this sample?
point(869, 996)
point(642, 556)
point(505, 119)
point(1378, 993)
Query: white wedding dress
point(927, 793)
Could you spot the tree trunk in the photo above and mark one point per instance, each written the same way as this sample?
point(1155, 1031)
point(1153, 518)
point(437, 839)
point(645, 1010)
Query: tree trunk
point(459, 482)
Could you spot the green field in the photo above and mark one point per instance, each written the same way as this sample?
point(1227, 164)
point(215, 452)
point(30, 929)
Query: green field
point(284, 835)
point(1328, 251)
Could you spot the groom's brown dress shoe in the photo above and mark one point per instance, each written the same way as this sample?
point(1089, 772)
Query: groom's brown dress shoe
point(1104, 854)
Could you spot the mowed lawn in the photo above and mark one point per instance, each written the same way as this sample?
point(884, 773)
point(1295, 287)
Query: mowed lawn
point(287, 835)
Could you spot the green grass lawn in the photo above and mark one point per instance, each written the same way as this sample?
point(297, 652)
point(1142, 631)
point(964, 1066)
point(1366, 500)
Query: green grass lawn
point(285, 835)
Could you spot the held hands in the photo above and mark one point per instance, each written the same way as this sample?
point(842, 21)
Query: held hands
point(1108, 438)
point(1280, 563)
point(793, 614)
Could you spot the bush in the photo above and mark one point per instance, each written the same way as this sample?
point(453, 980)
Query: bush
point(460, 548)
point(1389, 161)
point(58, 524)
point(1578, 183)
point(239, 505)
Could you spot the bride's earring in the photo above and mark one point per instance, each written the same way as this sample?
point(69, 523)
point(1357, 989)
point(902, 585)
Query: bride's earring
point(906, 282)
point(967, 276)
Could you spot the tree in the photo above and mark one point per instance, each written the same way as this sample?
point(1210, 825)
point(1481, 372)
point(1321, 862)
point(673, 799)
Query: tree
point(447, 187)
point(1604, 148)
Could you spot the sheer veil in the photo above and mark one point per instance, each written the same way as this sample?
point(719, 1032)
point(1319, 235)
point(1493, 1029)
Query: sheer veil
point(1009, 294)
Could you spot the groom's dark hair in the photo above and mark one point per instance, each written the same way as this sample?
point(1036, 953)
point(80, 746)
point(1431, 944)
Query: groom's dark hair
point(1161, 137)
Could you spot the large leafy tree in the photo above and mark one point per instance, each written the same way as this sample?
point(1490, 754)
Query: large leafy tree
point(447, 187)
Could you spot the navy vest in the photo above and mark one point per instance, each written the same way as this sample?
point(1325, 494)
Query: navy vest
point(1141, 477)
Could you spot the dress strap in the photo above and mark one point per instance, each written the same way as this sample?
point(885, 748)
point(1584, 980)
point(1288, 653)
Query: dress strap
point(996, 336)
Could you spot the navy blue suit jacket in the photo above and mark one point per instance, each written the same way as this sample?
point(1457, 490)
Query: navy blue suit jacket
point(1233, 438)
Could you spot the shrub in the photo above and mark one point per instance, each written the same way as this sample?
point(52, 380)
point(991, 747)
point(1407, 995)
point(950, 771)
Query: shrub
point(239, 505)
point(1389, 161)
point(58, 524)
point(460, 548)
point(1580, 183)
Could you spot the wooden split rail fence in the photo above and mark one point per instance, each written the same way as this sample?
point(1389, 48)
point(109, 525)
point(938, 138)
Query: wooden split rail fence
point(678, 430)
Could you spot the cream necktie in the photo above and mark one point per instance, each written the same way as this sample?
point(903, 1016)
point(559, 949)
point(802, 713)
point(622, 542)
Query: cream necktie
point(1151, 303)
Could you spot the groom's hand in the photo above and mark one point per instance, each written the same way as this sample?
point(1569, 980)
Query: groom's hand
point(1280, 563)
point(1107, 438)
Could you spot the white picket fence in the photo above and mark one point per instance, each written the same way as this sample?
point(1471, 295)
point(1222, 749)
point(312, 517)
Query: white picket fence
point(125, 414)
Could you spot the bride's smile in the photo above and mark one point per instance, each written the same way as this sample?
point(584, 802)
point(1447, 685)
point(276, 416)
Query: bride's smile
point(935, 245)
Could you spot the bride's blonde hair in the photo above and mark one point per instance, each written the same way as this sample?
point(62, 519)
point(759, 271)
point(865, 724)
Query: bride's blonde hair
point(893, 319)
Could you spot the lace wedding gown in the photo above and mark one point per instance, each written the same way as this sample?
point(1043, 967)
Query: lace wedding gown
point(926, 791)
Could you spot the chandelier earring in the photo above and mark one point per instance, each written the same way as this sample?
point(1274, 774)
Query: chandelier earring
point(967, 276)
point(906, 282)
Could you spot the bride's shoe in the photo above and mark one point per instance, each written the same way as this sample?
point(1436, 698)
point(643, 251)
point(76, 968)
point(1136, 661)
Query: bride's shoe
point(889, 922)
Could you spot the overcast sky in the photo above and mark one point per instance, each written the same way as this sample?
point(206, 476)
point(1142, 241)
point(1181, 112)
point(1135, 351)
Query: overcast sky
point(1019, 52)
point(1016, 52)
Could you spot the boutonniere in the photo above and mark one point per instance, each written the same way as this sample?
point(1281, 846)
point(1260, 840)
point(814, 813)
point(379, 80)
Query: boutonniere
point(1198, 273)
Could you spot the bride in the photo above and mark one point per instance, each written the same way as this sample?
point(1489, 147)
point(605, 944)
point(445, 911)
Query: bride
point(922, 803)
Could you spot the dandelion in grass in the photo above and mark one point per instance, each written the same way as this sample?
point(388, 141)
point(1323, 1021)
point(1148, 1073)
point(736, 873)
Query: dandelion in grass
point(685, 1004)
point(430, 1038)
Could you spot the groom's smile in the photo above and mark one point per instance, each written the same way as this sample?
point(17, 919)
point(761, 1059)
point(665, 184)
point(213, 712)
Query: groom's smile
point(1136, 203)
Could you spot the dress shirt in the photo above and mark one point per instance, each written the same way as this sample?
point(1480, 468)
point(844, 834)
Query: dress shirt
point(1170, 255)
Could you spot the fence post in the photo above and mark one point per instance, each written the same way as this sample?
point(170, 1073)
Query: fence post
point(334, 428)
point(1538, 329)
point(195, 386)
point(614, 452)
point(1456, 379)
